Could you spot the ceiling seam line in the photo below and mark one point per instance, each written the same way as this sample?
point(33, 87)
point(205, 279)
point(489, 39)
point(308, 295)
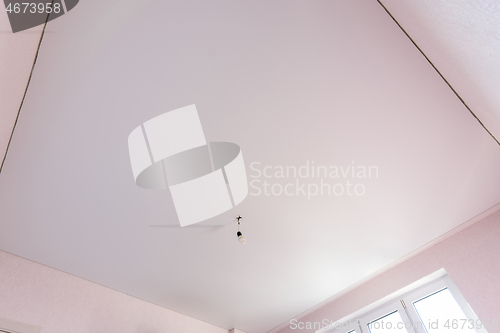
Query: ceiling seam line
point(437, 70)
point(25, 92)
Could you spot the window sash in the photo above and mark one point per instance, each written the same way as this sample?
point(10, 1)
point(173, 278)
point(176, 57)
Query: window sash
point(382, 311)
point(408, 313)
point(433, 287)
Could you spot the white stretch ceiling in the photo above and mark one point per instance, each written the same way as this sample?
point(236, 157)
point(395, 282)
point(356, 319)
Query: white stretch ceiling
point(462, 39)
point(291, 82)
point(17, 53)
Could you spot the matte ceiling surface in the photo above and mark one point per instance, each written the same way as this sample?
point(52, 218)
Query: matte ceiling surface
point(17, 53)
point(462, 38)
point(293, 83)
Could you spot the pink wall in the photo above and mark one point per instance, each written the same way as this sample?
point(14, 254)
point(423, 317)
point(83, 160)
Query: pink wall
point(61, 303)
point(471, 258)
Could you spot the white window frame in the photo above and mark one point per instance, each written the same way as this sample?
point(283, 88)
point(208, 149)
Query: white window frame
point(383, 311)
point(402, 301)
point(436, 286)
point(344, 327)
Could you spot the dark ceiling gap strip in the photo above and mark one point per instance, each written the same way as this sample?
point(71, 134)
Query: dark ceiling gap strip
point(25, 92)
point(437, 70)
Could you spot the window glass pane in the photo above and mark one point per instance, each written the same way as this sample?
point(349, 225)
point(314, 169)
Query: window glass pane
point(390, 323)
point(440, 313)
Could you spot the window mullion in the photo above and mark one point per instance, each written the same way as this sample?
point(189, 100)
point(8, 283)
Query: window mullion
point(413, 317)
